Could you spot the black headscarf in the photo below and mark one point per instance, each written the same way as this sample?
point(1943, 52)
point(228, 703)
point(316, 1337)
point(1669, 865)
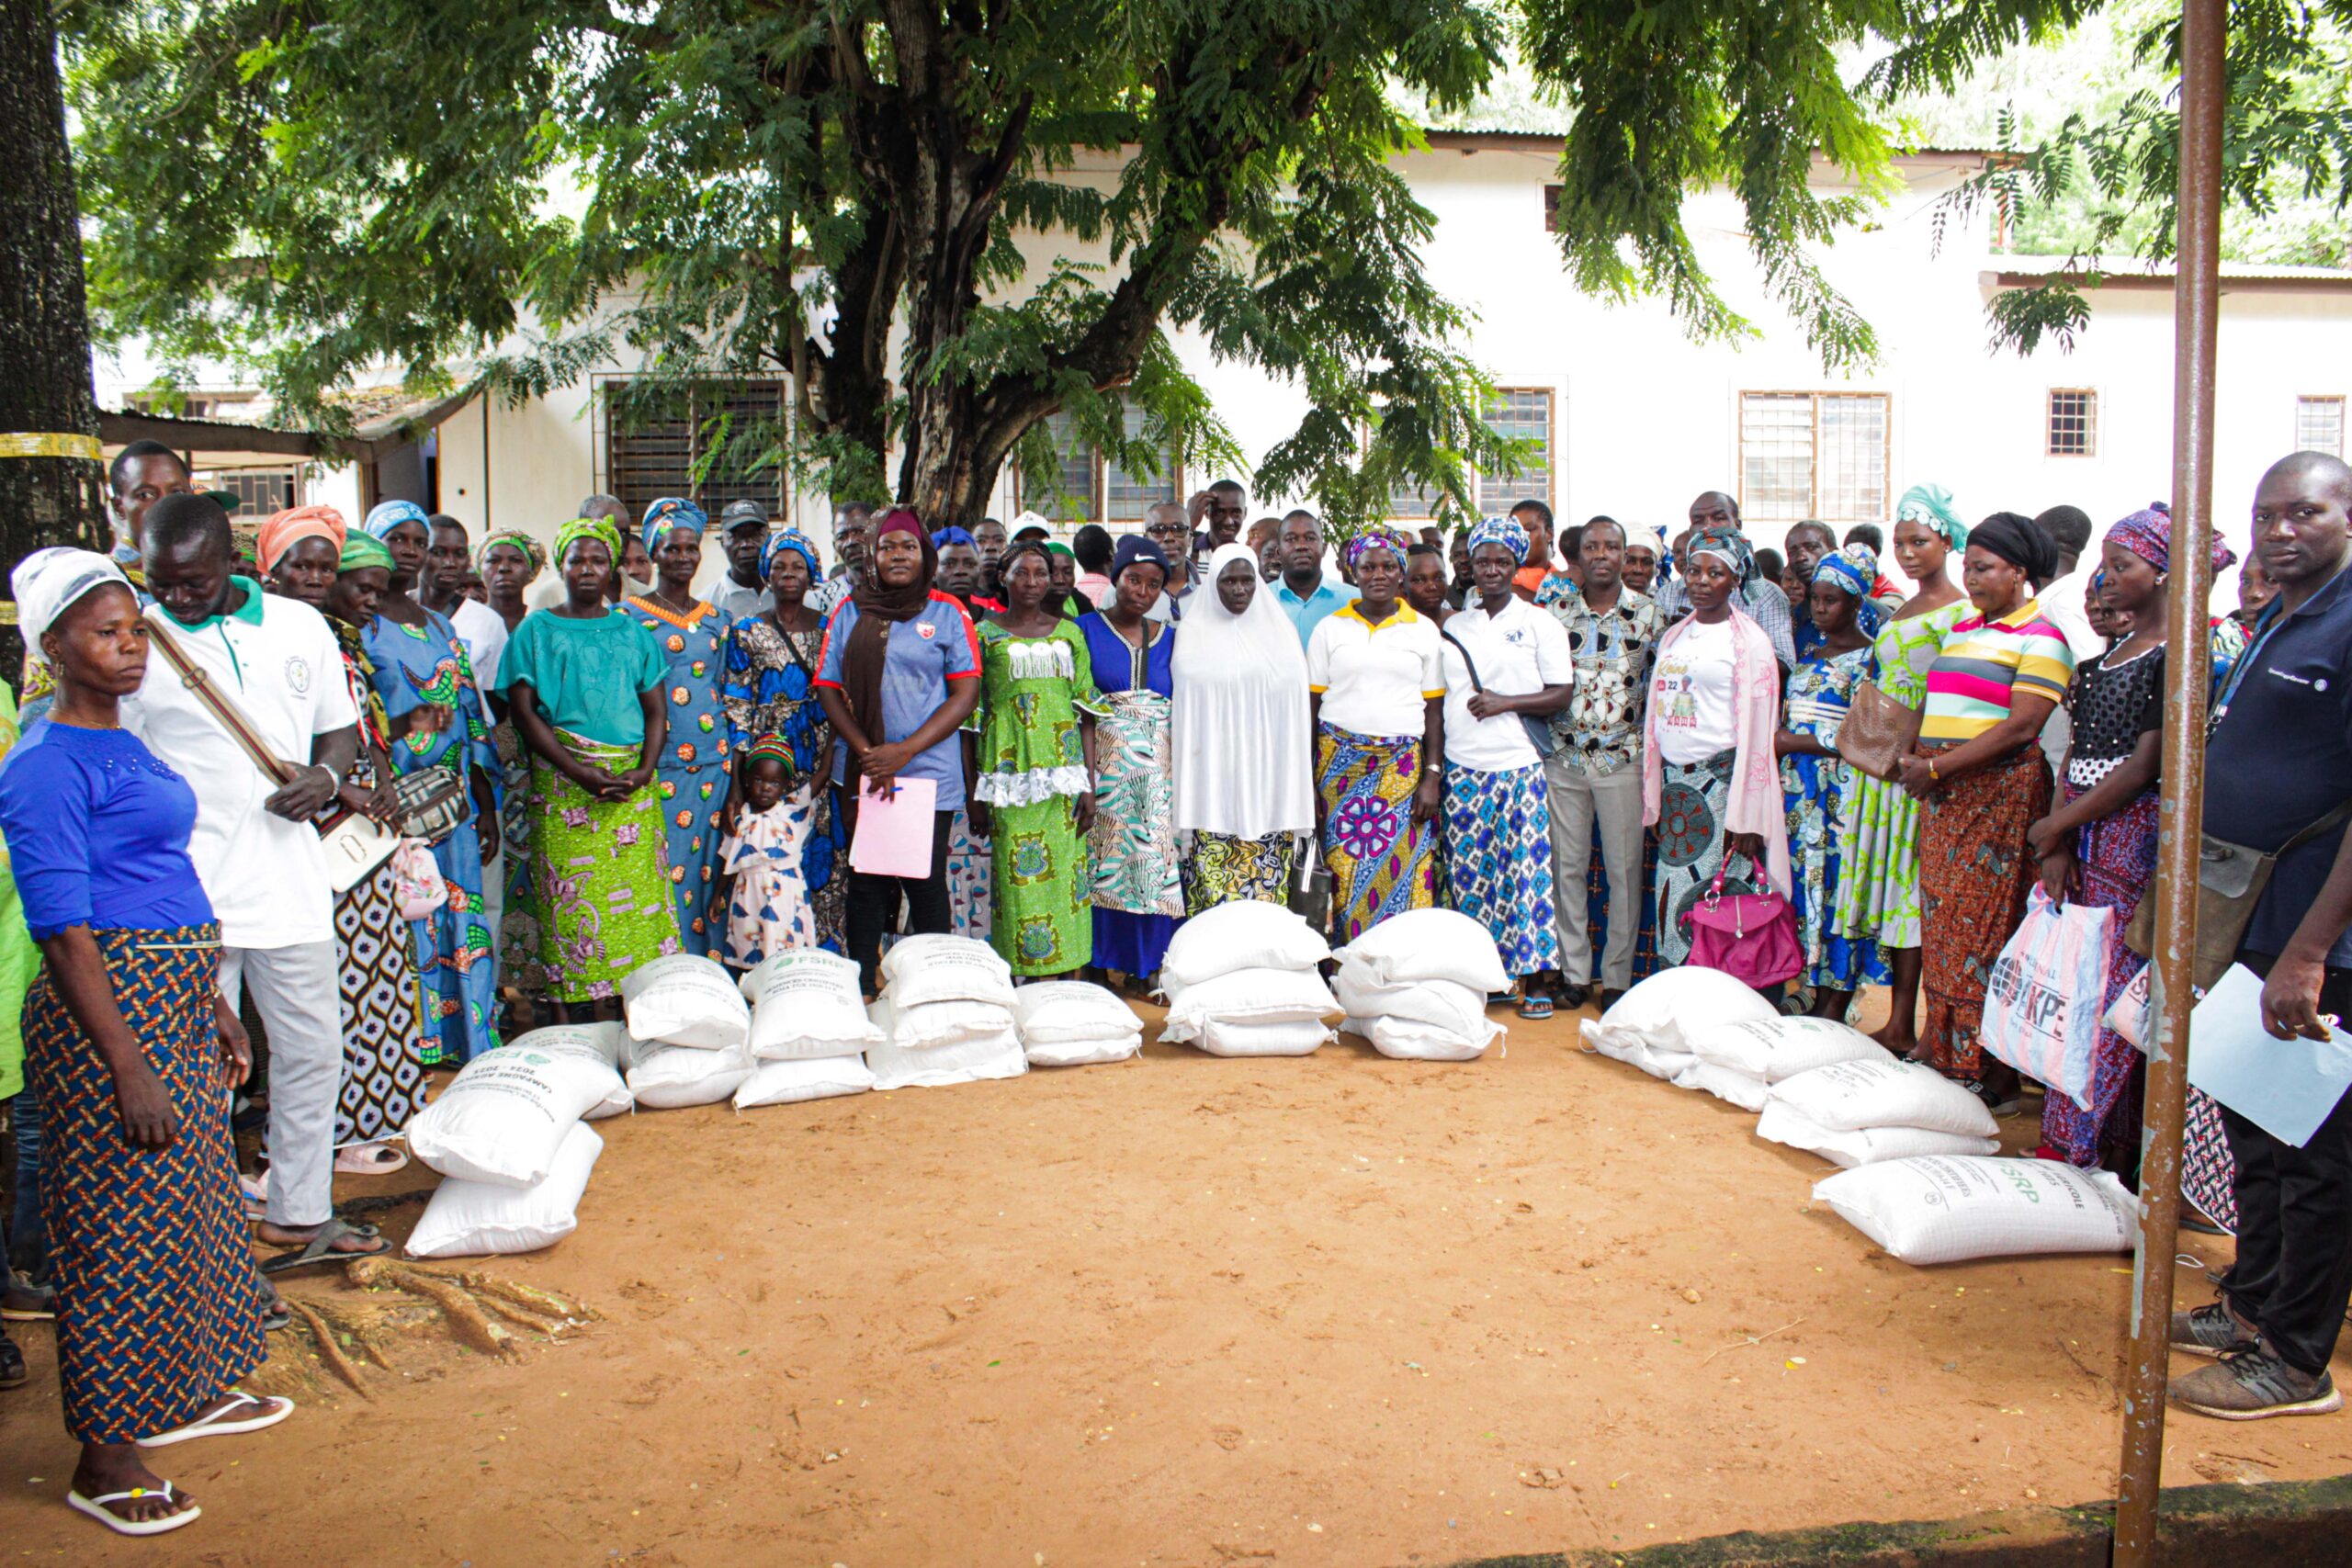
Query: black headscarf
point(2016, 541)
point(879, 607)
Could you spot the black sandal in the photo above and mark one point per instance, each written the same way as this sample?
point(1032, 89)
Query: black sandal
point(13, 1371)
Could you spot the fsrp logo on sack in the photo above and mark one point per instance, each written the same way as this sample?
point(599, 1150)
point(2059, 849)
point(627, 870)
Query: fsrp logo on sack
point(2039, 1008)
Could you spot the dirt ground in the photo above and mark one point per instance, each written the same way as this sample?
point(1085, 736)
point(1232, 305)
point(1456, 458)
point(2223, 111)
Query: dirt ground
point(1185, 1311)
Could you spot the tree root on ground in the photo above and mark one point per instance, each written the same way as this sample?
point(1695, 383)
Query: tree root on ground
point(339, 1331)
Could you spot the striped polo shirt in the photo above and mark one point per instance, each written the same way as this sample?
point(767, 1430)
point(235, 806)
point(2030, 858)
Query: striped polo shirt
point(1985, 664)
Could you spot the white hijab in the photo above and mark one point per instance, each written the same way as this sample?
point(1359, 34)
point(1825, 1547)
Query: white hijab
point(49, 582)
point(1243, 767)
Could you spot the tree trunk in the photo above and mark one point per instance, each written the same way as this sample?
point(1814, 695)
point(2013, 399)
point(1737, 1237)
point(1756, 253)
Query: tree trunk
point(45, 388)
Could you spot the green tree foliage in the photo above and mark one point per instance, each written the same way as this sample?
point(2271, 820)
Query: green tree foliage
point(943, 220)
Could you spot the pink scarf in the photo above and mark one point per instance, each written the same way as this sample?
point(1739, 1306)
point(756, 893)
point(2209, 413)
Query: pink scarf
point(1756, 804)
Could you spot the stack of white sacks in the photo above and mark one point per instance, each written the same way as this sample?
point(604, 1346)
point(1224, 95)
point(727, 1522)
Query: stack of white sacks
point(945, 1015)
point(1415, 985)
point(510, 1136)
point(1864, 1112)
point(693, 1030)
point(809, 1031)
point(1241, 980)
point(1069, 1023)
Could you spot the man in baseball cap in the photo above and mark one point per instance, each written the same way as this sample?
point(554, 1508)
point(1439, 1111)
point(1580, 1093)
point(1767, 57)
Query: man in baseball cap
point(742, 529)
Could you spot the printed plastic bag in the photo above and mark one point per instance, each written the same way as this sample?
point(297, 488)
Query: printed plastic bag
point(2043, 998)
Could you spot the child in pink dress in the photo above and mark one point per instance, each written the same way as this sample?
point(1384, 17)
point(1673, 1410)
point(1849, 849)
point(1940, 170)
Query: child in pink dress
point(763, 899)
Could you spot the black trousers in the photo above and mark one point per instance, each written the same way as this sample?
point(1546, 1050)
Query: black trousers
point(874, 903)
point(2292, 1278)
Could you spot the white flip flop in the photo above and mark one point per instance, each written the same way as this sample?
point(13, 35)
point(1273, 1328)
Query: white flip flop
point(96, 1508)
point(225, 1422)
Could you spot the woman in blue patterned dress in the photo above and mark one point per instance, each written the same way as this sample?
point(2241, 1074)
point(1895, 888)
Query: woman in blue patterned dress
point(696, 768)
point(426, 681)
point(1816, 781)
point(771, 689)
point(1139, 889)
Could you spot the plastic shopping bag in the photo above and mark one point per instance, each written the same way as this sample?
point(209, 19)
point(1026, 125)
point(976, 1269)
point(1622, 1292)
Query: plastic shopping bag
point(2042, 1002)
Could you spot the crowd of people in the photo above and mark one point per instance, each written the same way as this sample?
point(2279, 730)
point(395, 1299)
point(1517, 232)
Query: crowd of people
point(1583, 738)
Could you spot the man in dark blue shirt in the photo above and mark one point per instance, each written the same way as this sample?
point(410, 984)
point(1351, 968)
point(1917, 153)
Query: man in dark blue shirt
point(2280, 761)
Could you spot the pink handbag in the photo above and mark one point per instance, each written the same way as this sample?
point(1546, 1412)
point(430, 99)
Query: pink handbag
point(1752, 937)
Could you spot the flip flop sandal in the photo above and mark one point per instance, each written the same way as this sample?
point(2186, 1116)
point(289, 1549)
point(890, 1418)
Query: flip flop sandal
point(96, 1508)
point(320, 1251)
point(227, 1421)
point(1535, 1009)
point(369, 1160)
point(254, 1190)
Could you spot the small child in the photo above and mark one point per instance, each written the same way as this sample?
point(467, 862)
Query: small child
point(762, 900)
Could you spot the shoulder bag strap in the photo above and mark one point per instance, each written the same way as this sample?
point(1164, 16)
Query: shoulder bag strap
point(2334, 818)
point(1475, 685)
point(232, 719)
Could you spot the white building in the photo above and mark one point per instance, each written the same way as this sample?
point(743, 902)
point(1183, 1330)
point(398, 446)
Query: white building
point(1635, 417)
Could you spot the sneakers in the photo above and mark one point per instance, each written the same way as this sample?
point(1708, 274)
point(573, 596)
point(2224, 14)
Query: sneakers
point(2209, 1331)
point(2249, 1384)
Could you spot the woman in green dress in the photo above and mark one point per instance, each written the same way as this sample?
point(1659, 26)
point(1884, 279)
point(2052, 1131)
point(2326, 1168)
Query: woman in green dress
point(1878, 890)
point(1034, 792)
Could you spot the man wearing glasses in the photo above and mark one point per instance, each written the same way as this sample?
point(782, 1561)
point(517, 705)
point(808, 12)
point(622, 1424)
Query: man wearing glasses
point(1168, 526)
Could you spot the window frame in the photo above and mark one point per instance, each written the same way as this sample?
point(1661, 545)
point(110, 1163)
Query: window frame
point(2090, 421)
point(1550, 495)
point(1814, 395)
point(1098, 504)
point(2308, 400)
point(777, 498)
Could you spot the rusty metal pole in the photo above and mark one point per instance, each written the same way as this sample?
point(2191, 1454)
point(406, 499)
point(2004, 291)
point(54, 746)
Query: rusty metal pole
point(2187, 661)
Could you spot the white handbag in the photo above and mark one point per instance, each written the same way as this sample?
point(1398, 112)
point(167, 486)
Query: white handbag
point(355, 847)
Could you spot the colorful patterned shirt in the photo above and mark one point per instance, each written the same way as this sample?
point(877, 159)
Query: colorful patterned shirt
point(1600, 729)
point(1985, 665)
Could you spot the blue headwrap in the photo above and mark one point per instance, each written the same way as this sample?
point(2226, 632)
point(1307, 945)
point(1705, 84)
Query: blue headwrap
point(1852, 570)
point(952, 535)
point(1931, 504)
point(388, 516)
point(1508, 532)
point(670, 511)
point(1377, 536)
point(800, 544)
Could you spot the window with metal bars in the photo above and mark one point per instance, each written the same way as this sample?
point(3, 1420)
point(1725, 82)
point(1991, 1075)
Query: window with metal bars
point(260, 492)
point(1092, 488)
point(726, 430)
point(1523, 414)
point(2074, 422)
point(2319, 425)
point(1813, 454)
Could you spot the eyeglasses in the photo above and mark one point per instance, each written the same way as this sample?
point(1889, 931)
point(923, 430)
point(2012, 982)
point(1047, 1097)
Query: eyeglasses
point(1167, 531)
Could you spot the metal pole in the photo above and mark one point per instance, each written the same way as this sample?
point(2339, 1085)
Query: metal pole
point(2196, 308)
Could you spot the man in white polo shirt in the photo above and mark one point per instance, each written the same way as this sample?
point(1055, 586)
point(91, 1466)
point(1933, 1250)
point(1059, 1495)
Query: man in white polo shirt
point(275, 661)
point(1506, 663)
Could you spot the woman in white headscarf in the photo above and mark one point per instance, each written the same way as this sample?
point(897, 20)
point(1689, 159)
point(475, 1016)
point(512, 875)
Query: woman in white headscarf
point(1245, 785)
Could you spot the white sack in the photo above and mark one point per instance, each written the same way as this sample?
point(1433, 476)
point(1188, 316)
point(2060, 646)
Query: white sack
point(1082, 1053)
point(926, 1026)
point(897, 1067)
point(1296, 1037)
point(1245, 935)
point(468, 1219)
point(1942, 1209)
point(806, 1004)
point(1669, 1012)
point(812, 1077)
point(939, 968)
point(1411, 1041)
point(1847, 1097)
point(1459, 1010)
point(503, 1117)
point(667, 1078)
point(1723, 1083)
point(1629, 1047)
point(1776, 1048)
point(610, 1040)
point(1062, 1011)
point(1432, 945)
point(1250, 996)
point(686, 1000)
point(1780, 1125)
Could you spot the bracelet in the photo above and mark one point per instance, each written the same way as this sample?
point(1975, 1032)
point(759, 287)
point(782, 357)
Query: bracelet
point(1933, 776)
point(1432, 768)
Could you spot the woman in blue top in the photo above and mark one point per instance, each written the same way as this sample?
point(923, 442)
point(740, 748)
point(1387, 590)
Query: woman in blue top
point(426, 680)
point(583, 684)
point(695, 767)
point(133, 1053)
point(1138, 890)
point(898, 676)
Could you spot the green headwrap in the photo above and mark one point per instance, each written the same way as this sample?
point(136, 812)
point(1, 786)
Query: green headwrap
point(1931, 504)
point(361, 551)
point(600, 528)
point(533, 552)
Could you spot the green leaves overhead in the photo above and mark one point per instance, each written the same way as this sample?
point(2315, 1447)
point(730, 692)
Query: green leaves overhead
point(940, 223)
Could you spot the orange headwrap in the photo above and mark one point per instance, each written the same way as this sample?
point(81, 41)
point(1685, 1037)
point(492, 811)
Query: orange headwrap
point(289, 529)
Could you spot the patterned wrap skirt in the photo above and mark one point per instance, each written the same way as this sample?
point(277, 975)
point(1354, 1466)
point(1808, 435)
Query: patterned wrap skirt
point(1225, 869)
point(1043, 925)
point(1690, 849)
point(2118, 855)
point(383, 1035)
point(1499, 861)
point(520, 969)
point(1974, 874)
point(601, 875)
point(693, 802)
point(1383, 862)
point(1595, 903)
point(970, 877)
point(456, 957)
point(1138, 894)
point(158, 1306)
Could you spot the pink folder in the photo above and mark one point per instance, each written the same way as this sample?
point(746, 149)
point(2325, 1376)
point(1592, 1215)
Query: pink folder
point(894, 832)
